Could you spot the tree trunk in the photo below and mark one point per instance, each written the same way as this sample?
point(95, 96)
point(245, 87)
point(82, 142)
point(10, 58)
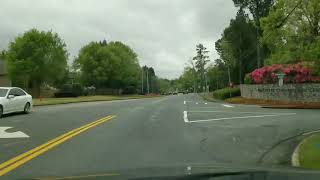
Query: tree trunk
point(229, 75)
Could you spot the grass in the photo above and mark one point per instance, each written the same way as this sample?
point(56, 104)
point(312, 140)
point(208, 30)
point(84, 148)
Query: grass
point(52, 101)
point(273, 104)
point(208, 97)
point(309, 154)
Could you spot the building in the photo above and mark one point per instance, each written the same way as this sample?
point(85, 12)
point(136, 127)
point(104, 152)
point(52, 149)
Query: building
point(4, 77)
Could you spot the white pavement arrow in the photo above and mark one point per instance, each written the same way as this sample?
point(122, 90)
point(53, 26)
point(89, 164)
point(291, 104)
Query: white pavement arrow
point(4, 134)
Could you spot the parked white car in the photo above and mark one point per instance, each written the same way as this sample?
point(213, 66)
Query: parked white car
point(13, 99)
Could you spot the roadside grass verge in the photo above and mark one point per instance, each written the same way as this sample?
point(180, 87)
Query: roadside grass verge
point(309, 152)
point(273, 104)
point(53, 101)
point(208, 97)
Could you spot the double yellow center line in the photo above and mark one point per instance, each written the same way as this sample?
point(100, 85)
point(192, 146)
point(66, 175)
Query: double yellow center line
point(17, 161)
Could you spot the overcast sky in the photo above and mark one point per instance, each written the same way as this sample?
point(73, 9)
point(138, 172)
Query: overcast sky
point(164, 33)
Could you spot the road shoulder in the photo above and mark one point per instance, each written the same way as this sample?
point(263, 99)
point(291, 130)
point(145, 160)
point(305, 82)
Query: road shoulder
point(56, 101)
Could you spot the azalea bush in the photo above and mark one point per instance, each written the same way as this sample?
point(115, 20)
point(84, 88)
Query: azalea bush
point(294, 73)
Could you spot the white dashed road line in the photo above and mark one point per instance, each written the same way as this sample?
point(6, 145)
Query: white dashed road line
point(228, 106)
point(185, 116)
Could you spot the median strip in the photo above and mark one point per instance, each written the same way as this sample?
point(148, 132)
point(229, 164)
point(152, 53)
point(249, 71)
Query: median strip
point(17, 161)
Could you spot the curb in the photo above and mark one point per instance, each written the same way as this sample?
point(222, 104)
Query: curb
point(289, 107)
point(295, 162)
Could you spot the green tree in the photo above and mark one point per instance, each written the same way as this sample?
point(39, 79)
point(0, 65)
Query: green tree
point(226, 52)
point(37, 57)
point(164, 85)
point(258, 10)
point(237, 40)
point(150, 80)
point(187, 79)
point(218, 75)
point(297, 39)
point(201, 60)
point(108, 65)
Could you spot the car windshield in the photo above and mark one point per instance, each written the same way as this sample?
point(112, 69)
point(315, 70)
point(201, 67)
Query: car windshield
point(3, 92)
point(159, 87)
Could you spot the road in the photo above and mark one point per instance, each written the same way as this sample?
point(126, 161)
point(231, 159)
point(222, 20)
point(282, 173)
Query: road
point(173, 130)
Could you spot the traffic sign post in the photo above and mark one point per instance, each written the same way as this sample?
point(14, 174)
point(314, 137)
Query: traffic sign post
point(280, 78)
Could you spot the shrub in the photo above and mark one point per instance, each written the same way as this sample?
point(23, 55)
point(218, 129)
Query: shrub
point(248, 79)
point(295, 73)
point(69, 90)
point(226, 93)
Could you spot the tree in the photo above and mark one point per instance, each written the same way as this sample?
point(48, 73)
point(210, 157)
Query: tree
point(108, 65)
point(225, 50)
point(297, 39)
point(37, 57)
point(237, 40)
point(150, 80)
point(164, 85)
point(187, 79)
point(218, 76)
point(258, 10)
point(201, 59)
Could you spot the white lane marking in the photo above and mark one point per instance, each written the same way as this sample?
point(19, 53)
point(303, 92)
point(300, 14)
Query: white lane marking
point(243, 117)
point(4, 134)
point(212, 107)
point(228, 106)
point(185, 116)
point(184, 102)
point(262, 113)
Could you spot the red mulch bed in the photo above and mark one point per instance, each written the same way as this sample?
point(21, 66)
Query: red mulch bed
point(274, 104)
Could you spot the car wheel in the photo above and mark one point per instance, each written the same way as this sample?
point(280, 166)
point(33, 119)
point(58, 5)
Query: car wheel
point(26, 108)
point(1, 111)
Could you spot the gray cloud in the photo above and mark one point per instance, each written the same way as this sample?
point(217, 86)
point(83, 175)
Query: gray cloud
point(163, 32)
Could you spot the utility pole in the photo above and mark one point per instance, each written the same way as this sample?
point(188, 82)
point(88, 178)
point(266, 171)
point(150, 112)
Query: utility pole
point(142, 73)
point(207, 89)
point(148, 81)
point(240, 61)
point(258, 48)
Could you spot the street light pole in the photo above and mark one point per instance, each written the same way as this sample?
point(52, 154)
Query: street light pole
point(142, 73)
point(148, 81)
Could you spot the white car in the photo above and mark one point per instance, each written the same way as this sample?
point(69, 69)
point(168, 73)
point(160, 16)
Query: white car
point(13, 99)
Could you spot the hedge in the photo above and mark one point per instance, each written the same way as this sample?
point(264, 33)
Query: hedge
point(226, 93)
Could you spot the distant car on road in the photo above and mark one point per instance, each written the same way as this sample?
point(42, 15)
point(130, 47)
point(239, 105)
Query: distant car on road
point(13, 99)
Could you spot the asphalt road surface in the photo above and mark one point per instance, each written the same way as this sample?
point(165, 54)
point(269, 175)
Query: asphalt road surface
point(181, 129)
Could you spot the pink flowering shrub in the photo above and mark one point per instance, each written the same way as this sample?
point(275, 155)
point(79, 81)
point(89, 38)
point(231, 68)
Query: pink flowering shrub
point(294, 73)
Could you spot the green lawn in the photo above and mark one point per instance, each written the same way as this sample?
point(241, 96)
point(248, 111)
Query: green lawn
point(52, 101)
point(309, 155)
